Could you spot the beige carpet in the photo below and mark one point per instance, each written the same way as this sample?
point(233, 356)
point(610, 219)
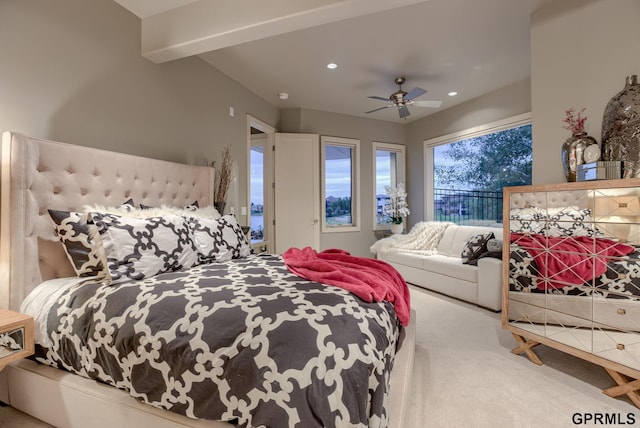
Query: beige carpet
point(465, 376)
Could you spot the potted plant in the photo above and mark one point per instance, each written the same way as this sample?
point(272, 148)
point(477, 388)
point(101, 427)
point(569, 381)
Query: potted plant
point(396, 207)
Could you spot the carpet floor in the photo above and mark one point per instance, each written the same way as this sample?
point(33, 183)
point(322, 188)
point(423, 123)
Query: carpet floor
point(465, 376)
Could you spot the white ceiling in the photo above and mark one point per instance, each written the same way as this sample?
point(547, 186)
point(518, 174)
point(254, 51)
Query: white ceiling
point(470, 46)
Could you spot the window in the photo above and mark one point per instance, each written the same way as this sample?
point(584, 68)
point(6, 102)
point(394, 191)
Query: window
point(466, 171)
point(340, 186)
point(388, 170)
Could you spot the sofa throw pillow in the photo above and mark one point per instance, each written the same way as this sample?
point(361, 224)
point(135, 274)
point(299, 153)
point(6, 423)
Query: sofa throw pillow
point(80, 244)
point(475, 247)
point(138, 248)
point(218, 239)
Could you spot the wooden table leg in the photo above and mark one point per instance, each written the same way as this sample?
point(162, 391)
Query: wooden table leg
point(526, 347)
point(626, 386)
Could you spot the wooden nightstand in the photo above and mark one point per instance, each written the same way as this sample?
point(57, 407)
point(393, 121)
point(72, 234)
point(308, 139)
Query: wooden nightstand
point(16, 336)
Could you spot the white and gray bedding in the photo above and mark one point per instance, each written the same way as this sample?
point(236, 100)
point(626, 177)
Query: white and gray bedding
point(244, 341)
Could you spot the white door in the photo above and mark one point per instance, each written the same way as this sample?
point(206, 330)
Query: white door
point(297, 191)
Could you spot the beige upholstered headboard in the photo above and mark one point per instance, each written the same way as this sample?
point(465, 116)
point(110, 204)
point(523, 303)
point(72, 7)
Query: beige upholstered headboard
point(576, 198)
point(38, 175)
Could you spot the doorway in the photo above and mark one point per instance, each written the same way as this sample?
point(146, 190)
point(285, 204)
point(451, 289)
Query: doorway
point(260, 179)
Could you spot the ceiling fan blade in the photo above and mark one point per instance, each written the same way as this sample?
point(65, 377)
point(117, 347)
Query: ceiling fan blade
point(376, 109)
point(403, 111)
point(379, 98)
point(414, 93)
point(432, 104)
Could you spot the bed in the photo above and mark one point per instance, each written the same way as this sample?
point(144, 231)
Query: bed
point(39, 176)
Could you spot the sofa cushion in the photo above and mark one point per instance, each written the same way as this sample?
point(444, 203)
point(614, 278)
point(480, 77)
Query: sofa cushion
point(444, 246)
point(402, 258)
point(449, 266)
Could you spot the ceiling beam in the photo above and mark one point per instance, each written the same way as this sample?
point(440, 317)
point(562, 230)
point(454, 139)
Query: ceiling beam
point(206, 25)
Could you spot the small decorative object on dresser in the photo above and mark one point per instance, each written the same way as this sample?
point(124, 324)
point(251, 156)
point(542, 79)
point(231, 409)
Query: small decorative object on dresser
point(572, 274)
point(621, 128)
point(396, 207)
point(580, 148)
point(16, 336)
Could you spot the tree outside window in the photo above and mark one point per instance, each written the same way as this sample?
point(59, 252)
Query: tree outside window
point(469, 174)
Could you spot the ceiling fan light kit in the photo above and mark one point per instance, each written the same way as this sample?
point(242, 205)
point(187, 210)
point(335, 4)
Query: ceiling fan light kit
point(401, 99)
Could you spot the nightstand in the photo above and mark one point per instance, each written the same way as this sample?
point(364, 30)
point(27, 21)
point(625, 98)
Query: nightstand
point(16, 336)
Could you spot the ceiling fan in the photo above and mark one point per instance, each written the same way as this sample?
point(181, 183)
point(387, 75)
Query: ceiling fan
point(402, 99)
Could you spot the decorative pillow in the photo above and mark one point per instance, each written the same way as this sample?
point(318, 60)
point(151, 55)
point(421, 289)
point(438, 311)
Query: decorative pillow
point(494, 245)
point(570, 221)
point(218, 239)
point(80, 244)
point(137, 248)
point(475, 247)
point(527, 220)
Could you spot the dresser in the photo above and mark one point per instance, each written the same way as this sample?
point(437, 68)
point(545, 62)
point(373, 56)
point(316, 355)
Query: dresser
point(572, 280)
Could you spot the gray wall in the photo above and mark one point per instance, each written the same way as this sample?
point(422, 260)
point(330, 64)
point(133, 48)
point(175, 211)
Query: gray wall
point(72, 71)
point(365, 130)
point(509, 101)
point(582, 50)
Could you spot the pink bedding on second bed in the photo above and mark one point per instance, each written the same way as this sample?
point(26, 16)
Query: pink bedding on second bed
point(574, 260)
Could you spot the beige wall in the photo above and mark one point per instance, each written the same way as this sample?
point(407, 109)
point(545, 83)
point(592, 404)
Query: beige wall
point(71, 71)
point(582, 50)
point(509, 101)
point(365, 130)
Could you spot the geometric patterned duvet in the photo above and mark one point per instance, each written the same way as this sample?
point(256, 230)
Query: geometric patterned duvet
point(244, 341)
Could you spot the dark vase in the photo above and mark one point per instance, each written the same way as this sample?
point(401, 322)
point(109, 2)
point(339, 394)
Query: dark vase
point(621, 128)
point(573, 153)
point(219, 206)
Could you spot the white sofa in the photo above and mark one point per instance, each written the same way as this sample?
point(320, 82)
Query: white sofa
point(445, 273)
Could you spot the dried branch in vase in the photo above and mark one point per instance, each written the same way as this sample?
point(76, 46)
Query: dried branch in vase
point(224, 176)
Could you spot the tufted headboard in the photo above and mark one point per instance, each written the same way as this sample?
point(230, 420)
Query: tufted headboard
point(38, 175)
point(577, 198)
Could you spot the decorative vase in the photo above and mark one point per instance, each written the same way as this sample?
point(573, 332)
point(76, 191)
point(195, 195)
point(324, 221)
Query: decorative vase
point(621, 128)
point(397, 228)
point(219, 206)
point(573, 153)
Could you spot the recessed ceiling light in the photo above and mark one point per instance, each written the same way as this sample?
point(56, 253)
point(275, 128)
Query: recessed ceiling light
point(283, 96)
point(332, 65)
point(452, 93)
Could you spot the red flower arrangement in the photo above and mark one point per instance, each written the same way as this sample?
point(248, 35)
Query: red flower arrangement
point(574, 121)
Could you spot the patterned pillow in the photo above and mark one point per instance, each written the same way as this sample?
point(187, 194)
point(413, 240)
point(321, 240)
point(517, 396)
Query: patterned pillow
point(80, 244)
point(570, 221)
point(218, 239)
point(137, 248)
point(475, 247)
point(527, 220)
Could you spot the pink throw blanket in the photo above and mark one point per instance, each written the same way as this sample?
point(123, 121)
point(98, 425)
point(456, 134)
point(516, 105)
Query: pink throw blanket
point(370, 279)
point(572, 260)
